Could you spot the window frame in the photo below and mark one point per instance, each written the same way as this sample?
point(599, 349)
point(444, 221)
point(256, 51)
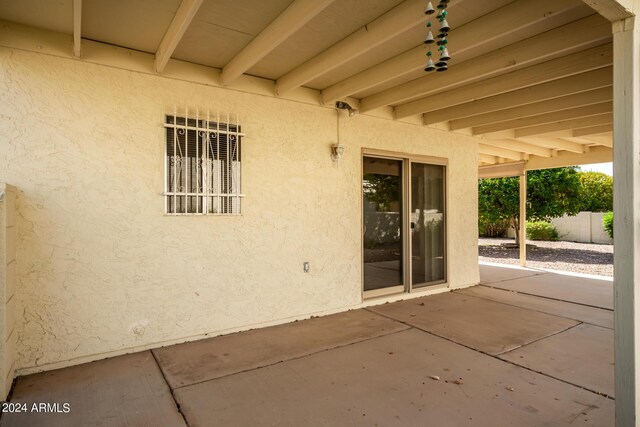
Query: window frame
point(208, 183)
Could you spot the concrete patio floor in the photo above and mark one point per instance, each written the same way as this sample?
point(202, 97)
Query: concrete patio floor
point(524, 348)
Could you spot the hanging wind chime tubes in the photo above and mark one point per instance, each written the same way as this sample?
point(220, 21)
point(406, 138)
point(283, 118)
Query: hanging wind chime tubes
point(442, 41)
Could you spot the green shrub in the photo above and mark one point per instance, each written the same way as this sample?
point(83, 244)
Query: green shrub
point(607, 223)
point(492, 229)
point(541, 230)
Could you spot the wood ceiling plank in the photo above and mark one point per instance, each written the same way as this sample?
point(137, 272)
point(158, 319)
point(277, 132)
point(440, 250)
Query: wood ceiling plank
point(600, 119)
point(606, 141)
point(497, 151)
point(519, 146)
point(543, 47)
point(600, 78)
point(540, 119)
point(555, 144)
point(555, 104)
point(402, 17)
point(182, 19)
point(288, 22)
point(592, 130)
point(576, 63)
point(595, 155)
point(499, 24)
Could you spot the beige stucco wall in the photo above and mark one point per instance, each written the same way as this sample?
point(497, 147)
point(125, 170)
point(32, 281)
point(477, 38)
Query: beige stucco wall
point(101, 270)
point(8, 301)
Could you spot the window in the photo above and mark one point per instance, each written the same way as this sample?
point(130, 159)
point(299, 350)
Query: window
point(202, 164)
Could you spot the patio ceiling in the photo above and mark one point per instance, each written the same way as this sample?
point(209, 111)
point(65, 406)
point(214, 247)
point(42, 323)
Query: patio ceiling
point(531, 79)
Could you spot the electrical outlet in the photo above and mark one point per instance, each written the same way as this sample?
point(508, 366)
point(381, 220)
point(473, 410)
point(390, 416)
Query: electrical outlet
point(306, 266)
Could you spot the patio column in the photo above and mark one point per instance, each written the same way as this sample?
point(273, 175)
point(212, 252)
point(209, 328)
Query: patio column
point(626, 206)
point(522, 235)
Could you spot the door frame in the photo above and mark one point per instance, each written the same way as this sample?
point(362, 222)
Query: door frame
point(406, 159)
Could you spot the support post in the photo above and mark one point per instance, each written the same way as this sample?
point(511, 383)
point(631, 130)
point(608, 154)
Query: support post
point(522, 235)
point(626, 207)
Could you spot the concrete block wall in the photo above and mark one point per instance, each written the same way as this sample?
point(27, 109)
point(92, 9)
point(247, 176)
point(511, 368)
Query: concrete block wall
point(585, 227)
point(598, 233)
point(8, 300)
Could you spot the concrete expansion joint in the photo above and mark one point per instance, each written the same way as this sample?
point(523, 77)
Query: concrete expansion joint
point(169, 387)
point(531, 309)
point(550, 298)
point(541, 338)
point(292, 358)
point(499, 358)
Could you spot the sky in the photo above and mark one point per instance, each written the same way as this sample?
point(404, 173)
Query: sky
point(599, 167)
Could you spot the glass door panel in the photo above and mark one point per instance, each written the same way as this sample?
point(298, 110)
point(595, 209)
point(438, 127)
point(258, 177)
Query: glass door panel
point(428, 264)
point(382, 210)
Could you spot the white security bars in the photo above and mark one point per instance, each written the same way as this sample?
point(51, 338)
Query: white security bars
point(202, 165)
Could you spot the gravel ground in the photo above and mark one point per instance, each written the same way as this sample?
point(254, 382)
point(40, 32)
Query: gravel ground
point(584, 258)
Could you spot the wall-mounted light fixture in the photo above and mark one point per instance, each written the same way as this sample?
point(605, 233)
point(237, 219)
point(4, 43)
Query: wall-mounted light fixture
point(340, 105)
point(337, 150)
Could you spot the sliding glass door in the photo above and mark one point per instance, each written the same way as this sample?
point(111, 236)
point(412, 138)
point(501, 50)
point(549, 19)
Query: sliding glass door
point(427, 224)
point(404, 224)
point(382, 188)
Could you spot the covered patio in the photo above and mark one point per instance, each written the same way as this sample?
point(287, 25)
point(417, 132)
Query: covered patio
point(177, 174)
point(525, 348)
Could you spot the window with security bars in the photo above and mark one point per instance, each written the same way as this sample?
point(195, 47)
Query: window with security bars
point(202, 166)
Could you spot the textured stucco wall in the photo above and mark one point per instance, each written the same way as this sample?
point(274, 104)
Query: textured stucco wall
point(8, 302)
point(101, 269)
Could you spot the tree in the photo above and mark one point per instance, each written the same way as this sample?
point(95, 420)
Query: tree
point(382, 189)
point(551, 193)
point(596, 193)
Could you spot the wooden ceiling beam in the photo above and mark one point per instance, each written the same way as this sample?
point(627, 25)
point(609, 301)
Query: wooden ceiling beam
point(606, 141)
point(519, 146)
point(592, 130)
point(600, 119)
point(556, 104)
point(613, 10)
point(183, 17)
point(497, 151)
point(541, 119)
point(77, 28)
point(469, 39)
point(294, 17)
point(399, 19)
point(485, 158)
point(595, 155)
point(542, 47)
point(580, 62)
point(578, 83)
point(555, 144)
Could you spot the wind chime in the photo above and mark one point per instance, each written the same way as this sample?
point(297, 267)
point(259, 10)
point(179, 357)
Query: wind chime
point(441, 41)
